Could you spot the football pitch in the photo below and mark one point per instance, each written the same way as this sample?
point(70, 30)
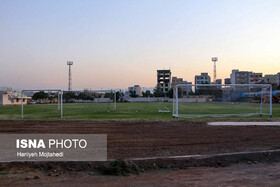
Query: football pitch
point(129, 111)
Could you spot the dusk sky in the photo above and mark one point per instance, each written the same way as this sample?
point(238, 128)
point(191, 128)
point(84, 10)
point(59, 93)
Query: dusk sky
point(119, 43)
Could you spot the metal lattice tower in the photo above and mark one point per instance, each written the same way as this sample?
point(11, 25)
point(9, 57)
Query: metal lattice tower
point(70, 63)
point(215, 59)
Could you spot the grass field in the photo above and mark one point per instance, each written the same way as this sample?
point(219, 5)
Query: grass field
point(135, 111)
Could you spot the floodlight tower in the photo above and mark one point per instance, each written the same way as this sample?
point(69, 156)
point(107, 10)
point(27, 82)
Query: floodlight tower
point(70, 63)
point(215, 59)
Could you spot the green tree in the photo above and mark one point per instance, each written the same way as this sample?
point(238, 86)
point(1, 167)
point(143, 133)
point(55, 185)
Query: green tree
point(147, 93)
point(69, 95)
point(158, 92)
point(82, 96)
point(40, 95)
point(170, 93)
point(133, 94)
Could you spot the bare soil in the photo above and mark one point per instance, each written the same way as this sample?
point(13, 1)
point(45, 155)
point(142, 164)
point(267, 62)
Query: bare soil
point(155, 139)
point(150, 139)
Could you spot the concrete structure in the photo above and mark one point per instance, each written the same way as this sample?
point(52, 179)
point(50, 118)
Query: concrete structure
point(272, 79)
point(239, 77)
point(136, 89)
point(12, 98)
point(245, 77)
point(164, 80)
point(203, 78)
point(176, 81)
point(255, 78)
point(227, 81)
point(218, 81)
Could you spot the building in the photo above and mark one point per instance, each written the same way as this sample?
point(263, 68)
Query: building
point(203, 78)
point(176, 81)
point(227, 81)
point(255, 78)
point(164, 80)
point(136, 89)
point(12, 98)
point(218, 81)
point(239, 77)
point(272, 79)
point(245, 77)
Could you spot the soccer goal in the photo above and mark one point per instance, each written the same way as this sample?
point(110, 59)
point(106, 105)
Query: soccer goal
point(222, 100)
point(59, 95)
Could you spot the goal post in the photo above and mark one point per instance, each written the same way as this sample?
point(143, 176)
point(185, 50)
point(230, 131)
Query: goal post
point(59, 99)
point(222, 100)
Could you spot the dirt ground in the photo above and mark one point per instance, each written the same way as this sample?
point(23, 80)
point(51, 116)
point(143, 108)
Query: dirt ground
point(261, 174)
point(155, 139)
point(151, 139)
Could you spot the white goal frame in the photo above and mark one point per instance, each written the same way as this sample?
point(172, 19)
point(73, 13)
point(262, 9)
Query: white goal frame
point(59, 97)
point(176, 102)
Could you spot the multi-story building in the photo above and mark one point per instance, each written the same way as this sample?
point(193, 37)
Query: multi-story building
point(227, 81)
point(203, 78)
point(176, 81)
point(135, 88)
point(255, 78)
point(272, 79)
point(218, 81)
point(245, 77)
point(164, 80)
point(240, 77)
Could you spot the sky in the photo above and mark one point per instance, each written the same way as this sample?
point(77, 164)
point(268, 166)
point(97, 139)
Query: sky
point(120, 43)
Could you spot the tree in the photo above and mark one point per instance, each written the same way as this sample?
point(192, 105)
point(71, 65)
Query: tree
point(109, 95)
point(82, 96)
point(133, 94)
point(119, 95)
point(69, 95)
point(147, 93)
point(170, 93)
point(158, 92)
point(40, 95)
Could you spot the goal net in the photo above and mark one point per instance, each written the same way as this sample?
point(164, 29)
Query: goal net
point(221, 100)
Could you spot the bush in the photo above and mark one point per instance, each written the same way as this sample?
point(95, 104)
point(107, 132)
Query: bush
point(120, 167)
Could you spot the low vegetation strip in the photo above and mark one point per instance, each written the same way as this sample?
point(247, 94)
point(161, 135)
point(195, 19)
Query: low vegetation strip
point(228, 123)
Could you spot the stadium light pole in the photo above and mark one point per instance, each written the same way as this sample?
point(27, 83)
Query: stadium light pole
point(215, 59)
point(69, 63)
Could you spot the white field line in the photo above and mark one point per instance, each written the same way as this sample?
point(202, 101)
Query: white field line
point(244, 123)
point(201, 156)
